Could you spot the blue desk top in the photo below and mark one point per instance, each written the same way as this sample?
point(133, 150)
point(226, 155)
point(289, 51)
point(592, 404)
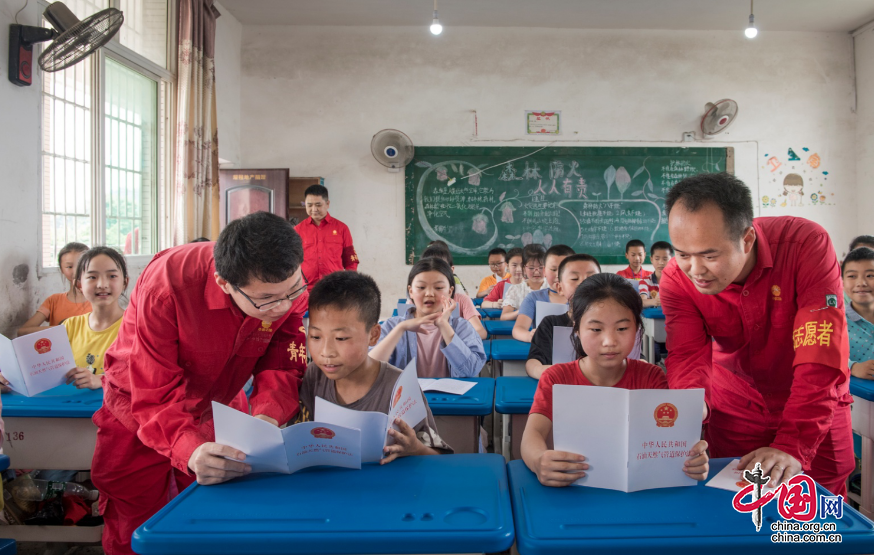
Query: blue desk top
point(499, 327)
point(4, 462)
point(489, 312)
point(862, 388)
point(476, 402)
point(64, 401)
point(510, 349)
point(478, 301)
point(514, 395)
point(576, 520)
point(431, 504)
point(654, 312)
point(8, 547)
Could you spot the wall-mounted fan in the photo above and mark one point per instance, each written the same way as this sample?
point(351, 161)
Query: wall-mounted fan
point(718, 116)
point(72, 40)
point(392, 148)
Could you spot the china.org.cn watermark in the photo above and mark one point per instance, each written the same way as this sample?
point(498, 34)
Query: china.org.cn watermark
point(798, 505)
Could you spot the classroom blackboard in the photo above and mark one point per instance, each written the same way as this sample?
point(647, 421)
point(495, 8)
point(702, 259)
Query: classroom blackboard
point(594, 199)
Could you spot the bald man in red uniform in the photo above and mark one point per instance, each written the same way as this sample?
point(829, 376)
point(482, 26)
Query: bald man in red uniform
point(754, 314)
point(202, 319)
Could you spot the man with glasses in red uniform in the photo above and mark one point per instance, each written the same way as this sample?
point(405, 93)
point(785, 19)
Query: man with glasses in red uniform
point(203, 319)
point(754, 314)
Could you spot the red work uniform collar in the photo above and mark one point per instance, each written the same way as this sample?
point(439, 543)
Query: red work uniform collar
point(326, 220)
point(215, 298)
point(764, 259)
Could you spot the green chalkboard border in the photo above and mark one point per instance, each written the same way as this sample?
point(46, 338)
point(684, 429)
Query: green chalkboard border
point(507, 152)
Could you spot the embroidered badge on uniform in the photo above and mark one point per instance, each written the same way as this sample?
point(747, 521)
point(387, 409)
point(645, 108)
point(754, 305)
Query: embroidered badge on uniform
point(831, 301)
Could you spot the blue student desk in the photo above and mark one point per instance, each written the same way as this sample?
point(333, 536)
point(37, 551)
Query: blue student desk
point(574, 520)
point(458, 416)
point(432, 504)
point(489, 312)
point(653, 331)
point(863, 424)
point(478, 301)
point(8, 547)
point(513, 398)
point(501, 328)
point(509, 356)
point(52, 430)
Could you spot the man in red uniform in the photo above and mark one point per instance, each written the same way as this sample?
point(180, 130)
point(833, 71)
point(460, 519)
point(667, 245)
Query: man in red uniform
point(327, 243)
point(202, 319)
point(754, 314)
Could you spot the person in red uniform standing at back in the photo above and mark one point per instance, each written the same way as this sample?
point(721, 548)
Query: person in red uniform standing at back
point(202, 319)
point(754, 314)
point(327, 243)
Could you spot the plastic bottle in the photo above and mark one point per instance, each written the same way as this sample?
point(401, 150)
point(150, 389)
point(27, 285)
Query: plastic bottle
point(41, 489)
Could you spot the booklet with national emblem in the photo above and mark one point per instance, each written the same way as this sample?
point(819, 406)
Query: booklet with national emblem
point(407, 403)
point(632, 440)
point(36, 362)
point(271, 449)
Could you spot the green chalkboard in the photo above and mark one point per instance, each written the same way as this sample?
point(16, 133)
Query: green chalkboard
point(594, 199)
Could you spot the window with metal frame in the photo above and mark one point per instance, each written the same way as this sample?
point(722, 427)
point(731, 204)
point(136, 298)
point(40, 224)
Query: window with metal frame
point(105, 148)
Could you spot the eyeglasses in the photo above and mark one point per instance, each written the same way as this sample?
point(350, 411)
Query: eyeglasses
point(273, 304)
point(534, 268)
point(496, 264)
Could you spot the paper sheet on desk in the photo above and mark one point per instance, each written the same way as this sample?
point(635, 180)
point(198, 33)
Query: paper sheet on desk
point(632, 440)
point(446, 385)
point(269, 449)
point(549, 309)
point(407, 404)
point(562, 345)
point(731, 479)
point(36, 362)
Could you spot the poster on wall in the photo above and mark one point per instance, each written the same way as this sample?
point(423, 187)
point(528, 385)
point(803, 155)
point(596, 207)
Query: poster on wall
point(798, 178)
point(542, 122)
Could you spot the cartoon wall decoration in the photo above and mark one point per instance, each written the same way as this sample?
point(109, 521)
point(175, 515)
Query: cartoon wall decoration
point(795, 180)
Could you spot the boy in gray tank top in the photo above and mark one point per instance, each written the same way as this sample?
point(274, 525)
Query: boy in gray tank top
point(344, 313)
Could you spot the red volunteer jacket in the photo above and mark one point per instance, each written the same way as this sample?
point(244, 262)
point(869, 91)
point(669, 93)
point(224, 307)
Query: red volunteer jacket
point(327, 248)
point(183, 343)
point(776, 344)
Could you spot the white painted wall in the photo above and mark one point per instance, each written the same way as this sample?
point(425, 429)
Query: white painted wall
point(228, 43)
point(19, 186)
point(22, 285)
point(314, 96)
point(865, 130)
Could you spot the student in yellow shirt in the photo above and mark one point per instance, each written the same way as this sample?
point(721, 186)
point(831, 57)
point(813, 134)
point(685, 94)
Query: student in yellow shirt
point(498, 266)
point(60, 306)
point(101, 276)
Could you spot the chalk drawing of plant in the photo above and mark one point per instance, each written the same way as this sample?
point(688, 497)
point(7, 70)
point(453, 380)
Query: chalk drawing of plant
point(609, 178)
point(623, 180)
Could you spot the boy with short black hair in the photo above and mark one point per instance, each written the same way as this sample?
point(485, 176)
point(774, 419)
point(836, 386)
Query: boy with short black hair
point(495, 299)
point(635, 252)
point(862, 241)
point(327, 242)
point(533, 258)
point(498, 266)
point(344, 314)
point(466, 308)
point(857, 272)
point(660, 254)
point(528, 308)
